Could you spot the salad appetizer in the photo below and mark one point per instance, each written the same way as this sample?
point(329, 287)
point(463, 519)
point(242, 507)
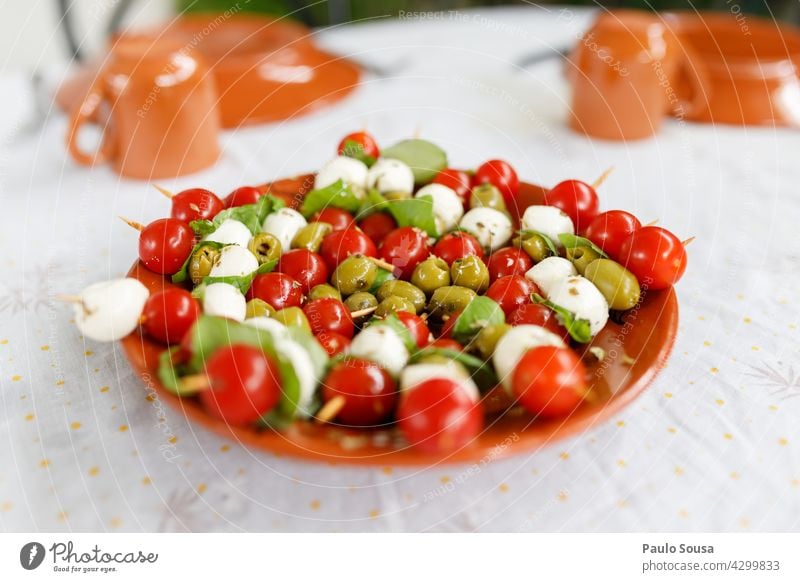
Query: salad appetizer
point(393, 292)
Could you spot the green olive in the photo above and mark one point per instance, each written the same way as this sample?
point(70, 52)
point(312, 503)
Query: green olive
point(534, 245)
point(359, 302)
point(356, 273)
point(487, 339)
point(405, 290)
point(394, 304)
point(201, 262)
point(398, 195)
point(323, 291)
point(448, 300)
point(470, 272)
point(259, 308)
point(310, 236)
point(617, 284)
point(581, 257)
point(292, 316)
point(487, 196)
point(265, 247)
point(431, 274)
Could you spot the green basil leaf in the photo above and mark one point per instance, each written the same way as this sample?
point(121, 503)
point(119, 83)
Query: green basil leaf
point(251, 215)
point(572, 241)
point(317, 354)
point(424, 158)
point(394, 322)
point(373, 202)
point(169, 372)
point(183, 274)
point(381, 277)
point(242, 282)
point(482, 372)
point(547, 240)
point(480, 312)
point(353, 149)
point(337, 195)
point(416, 212)
point(579, 329)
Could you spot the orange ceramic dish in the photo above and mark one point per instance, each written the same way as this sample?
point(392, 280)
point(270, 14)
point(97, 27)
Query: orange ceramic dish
point(636, 350)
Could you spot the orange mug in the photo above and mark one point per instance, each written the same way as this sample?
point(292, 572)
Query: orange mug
point(158, 103)
point(625, 73)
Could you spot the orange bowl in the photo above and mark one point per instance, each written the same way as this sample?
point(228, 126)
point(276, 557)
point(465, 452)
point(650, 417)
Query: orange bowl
point(636, 349)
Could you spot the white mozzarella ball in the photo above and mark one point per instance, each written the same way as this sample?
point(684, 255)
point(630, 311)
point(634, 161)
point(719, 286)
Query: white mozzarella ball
point(284, 224)
point(388, 175)
point(579, 295)
point(234, 261)
point(550, 272)
point(110, 310)
point(513, 345)
point(223, 300)
point(304, 370)
point(447, 206)
point(548, 220)
point(231, 232)
point(491, 227)
point(382, 345)
point(416, 374)
point(349, 170)
point(274, 327)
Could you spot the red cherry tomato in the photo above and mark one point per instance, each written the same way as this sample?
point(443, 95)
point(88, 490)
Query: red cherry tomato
point(438, 416)
point(339, 245)
point(576, 199)
point(447, 328)
point(278, 289)
point(376, 226)
point(305, 267)
point(169, 314)
point(358, 144)
point(369, 392)
point(609, 230)
point(447, 344)
point(405, 248)
point(501, 175)
point(334, 343)
point(195, 204)
point(242, 196)
point(655, 255)
point(458, 181)
point(457, 245)
point(329, 314)
point(549, 381)
point(511, 292)
point(244, 383)
point(338, 219)
point(165, 244)
point(537, 314)
point(416, 326)
point(508, 261)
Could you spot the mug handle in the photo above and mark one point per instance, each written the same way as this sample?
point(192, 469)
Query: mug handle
point(698, 83)
point(80, 116)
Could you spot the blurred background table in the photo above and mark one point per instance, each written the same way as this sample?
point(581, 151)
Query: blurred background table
point(713, 444)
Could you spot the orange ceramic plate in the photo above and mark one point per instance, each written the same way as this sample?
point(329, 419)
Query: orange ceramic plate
point(636, 350)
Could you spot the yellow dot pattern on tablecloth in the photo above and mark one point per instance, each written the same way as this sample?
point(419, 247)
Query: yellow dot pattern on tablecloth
point(503, 487)
point(75, 425)
point(783, 441)
point(374, 514)
point(201, 488)
point(123, 428)
point(29, 417)
point(315, 504)
point(44, 463)
point(564, 455)
point(146, 481)
point(727, 436)
point(678, 471)
point(94, 471)
point(45, 348)
point(16, 378)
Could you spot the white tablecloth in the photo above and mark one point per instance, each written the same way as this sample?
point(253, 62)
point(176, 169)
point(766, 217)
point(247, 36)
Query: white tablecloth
point(712, 444)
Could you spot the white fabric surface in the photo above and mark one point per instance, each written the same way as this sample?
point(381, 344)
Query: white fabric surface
point(712, 444)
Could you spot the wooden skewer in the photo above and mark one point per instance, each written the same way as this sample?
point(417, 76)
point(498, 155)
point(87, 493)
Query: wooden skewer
point(652, 222)
point(363, 312)
point(132, 223)
point(382, 264)
point(331, 408)
point(164, 191)
point(195, 383)
point(599, 182)
point(688, 241)
point(417, 132)
point(69, 298)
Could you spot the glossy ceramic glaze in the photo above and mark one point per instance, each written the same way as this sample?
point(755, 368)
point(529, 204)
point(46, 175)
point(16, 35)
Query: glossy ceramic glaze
point(265, 69)
point(751, 68)
point(157, 103)
point(636, 349)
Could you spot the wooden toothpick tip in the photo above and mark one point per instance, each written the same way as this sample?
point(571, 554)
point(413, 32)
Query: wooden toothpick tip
point(330, 409)
point(363, 312)
point(195, 383)
point(688, 241)
point(652, 222)
point(382, 264)
point(164, 191)
point(603, 177)
point(132, 223)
